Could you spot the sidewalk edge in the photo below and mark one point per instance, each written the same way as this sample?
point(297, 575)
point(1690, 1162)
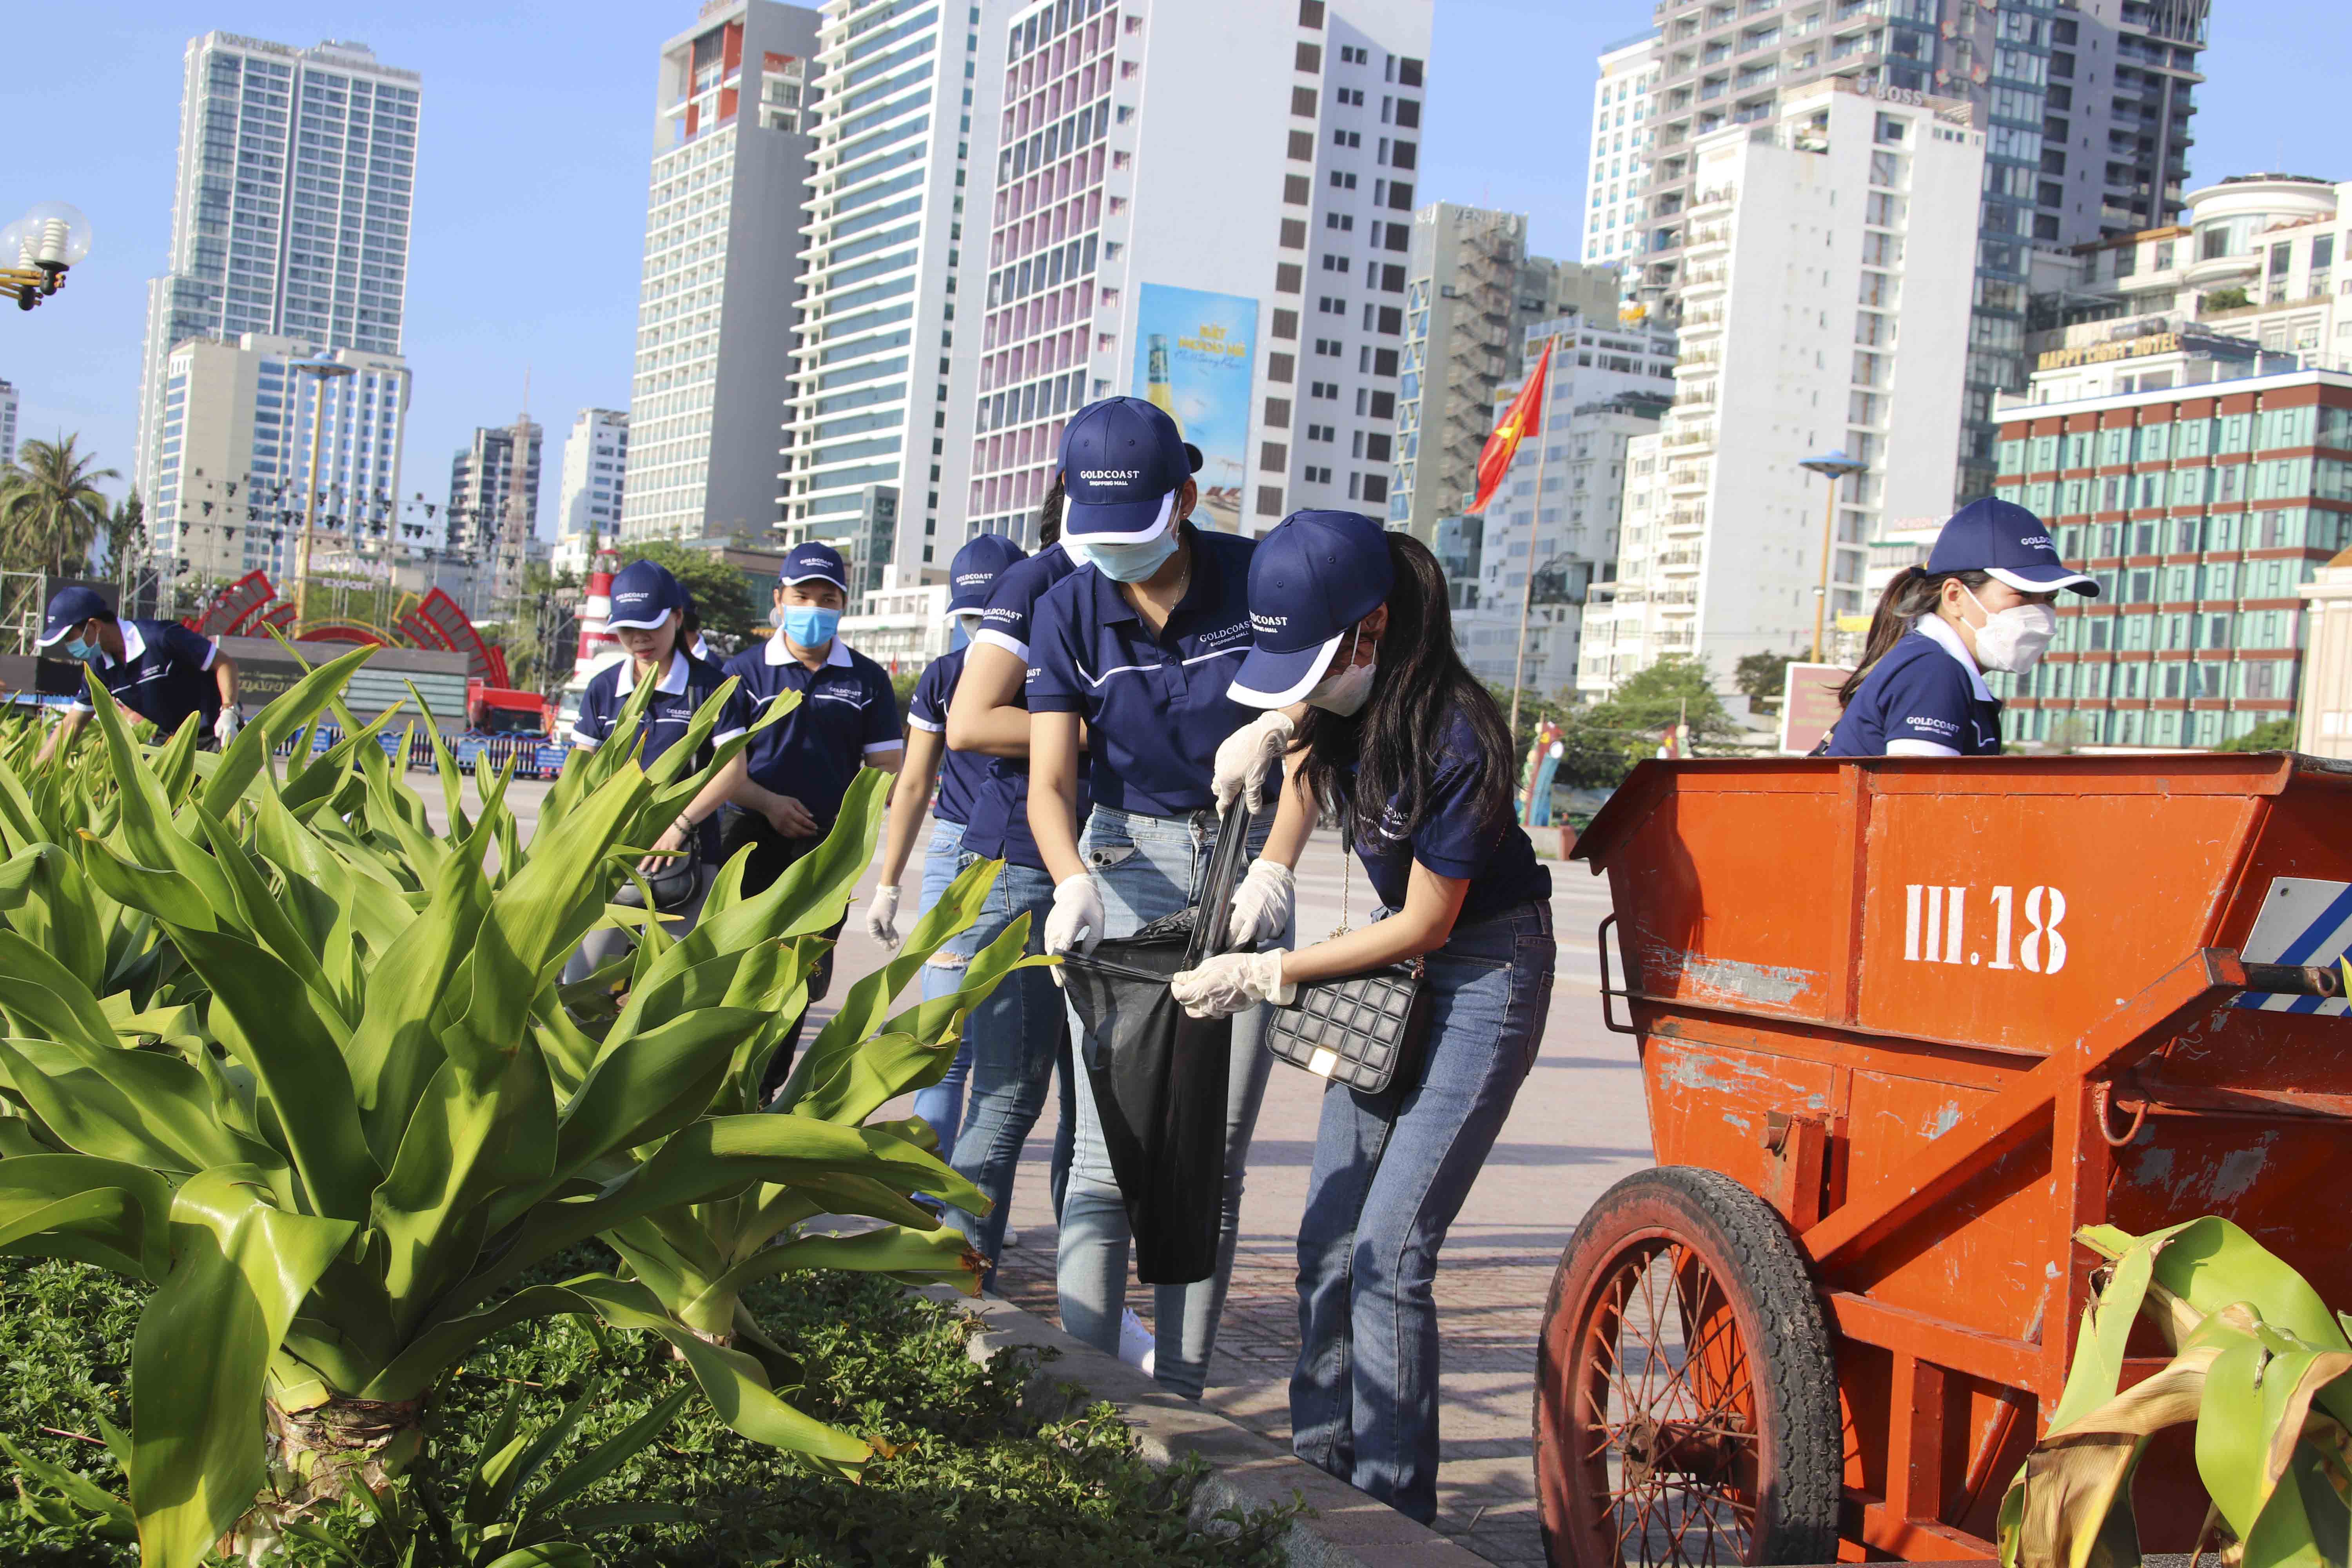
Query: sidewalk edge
point(1345, 1529)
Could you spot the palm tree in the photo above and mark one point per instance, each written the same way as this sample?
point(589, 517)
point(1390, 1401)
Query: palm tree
point(51, 510)
point(126, 535)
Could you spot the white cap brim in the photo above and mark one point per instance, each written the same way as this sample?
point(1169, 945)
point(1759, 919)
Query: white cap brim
point(1074, 516)
point(2080, 582)
point(1249, 696)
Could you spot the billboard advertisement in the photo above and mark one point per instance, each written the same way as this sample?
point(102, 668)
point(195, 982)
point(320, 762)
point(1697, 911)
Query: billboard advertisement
point(1199, 354)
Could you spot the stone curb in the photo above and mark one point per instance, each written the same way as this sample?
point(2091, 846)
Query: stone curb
point(1345, 1529)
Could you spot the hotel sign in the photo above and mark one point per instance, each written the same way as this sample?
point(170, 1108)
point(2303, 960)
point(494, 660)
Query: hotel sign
point(2099, 353)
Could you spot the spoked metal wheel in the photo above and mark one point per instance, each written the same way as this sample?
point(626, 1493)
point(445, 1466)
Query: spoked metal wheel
point(1685, 1404)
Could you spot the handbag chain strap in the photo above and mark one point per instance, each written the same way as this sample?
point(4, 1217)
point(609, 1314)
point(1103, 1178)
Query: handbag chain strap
point(1347, 876)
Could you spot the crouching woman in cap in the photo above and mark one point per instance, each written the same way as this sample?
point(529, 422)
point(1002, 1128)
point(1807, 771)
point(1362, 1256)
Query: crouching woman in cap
point(1380, 724)
point(1982, 602)
point(649, 610)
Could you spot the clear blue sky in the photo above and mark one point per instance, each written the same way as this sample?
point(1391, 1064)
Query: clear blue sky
point(533, 170)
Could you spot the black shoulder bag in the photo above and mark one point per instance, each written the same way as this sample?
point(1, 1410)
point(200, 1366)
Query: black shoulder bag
point(1361, 1030)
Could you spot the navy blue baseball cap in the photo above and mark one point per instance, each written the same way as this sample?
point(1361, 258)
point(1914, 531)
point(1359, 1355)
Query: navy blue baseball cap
point(2004, 539)
point(971, 575)
point(643, 594)
point(68, 608)
point(810, 561)
point(1314, 576)
point(1123, 460)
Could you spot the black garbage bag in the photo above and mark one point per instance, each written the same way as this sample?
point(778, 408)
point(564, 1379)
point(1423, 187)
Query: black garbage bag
point(1160, 1077)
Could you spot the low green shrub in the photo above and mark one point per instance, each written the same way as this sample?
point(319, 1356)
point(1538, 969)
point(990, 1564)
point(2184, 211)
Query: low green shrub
point(964, 1477)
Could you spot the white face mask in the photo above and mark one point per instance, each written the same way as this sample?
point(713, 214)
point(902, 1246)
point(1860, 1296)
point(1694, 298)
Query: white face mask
point(1345, 692)
point(2015, 639)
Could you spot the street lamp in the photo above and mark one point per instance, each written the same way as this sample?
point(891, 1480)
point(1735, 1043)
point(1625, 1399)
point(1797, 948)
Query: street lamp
point(324, 368)
point(1832, 466)
point(37, 249)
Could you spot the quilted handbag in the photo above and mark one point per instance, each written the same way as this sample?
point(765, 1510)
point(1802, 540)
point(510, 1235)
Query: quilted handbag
point(1360, 1030)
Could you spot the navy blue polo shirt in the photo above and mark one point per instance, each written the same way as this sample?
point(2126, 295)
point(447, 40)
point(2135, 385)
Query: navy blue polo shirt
point(164, 674)
point(1155, 704)
point(848, 714)
point(963, 774)
point(1926, 689)
point(1464, 830)
point(679, 695)
point(998, 828)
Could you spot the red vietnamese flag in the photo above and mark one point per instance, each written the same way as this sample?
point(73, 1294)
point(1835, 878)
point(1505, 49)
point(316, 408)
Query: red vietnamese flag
point(1525, 412)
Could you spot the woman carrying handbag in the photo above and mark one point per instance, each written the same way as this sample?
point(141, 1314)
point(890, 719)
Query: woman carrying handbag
point(1379, 723)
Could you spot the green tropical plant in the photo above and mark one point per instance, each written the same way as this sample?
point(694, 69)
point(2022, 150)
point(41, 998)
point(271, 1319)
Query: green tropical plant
point(300, 1062)
point(51, 510)
point(2259, 1364)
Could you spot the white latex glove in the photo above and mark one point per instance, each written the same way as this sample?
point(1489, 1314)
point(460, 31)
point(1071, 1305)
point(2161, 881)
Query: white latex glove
point(225, 727)
point(1076, 921)
point(1232, 981)
point(882, 916)
point(1262, 903)
point(1243, 757)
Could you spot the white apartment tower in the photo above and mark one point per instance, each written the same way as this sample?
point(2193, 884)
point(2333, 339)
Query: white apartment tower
point(1826, 304)
point(1240, 261)
point(7, 424)
point(864, 426)
point(720, 278)
point(289, 215)
point(1618, 173)
point(233, 482)
point(595, 463)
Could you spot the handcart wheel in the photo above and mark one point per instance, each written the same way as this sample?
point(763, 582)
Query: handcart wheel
point(1686, 1402)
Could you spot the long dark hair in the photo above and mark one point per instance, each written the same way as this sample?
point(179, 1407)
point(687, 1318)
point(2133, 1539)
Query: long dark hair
point(1915, 592)
point(1400, 738)
point(1049, 514)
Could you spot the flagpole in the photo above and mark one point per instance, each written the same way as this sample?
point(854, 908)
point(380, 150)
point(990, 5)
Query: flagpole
point(1535, 525)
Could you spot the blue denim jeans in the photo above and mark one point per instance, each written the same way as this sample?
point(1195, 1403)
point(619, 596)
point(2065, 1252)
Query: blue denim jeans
point(1149, 867)
point(944, 860)
point(1013, 1036)
point(1391, 1173)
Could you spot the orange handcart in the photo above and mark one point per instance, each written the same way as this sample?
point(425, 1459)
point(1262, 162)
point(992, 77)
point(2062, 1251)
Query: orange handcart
point(1905, 1024)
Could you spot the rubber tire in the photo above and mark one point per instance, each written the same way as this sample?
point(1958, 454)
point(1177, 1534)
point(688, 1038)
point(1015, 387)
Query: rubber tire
point(1768, 1282)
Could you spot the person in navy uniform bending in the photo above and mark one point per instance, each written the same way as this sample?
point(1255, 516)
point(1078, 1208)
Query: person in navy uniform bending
point(160, 670)
point(648, 618)
point(801, 767)
point(959, 776)
point(1020, 1037)
point(1134, 652)
point(1982, 602)
point(1382, 727)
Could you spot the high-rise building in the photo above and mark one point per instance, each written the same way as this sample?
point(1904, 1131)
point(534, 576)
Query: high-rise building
point(290, 212)
point(1244, 268)
point(482, 477)
point(1471, 292)
point(2127, 74)
point(7, 424)
point(233, 471)
point(594, 482)
point(1614, 207)
point(1608, 386)
point(715, 307)
point(865, 429)
point(1826, 304)
point(2203, 511)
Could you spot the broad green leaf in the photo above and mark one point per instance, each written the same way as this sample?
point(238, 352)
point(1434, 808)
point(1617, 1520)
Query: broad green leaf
point(55, 911)
point(148, 832)
point(269, 1020)
point(891, 1250)
point(45, 997)
point(395, 1051)
point(652, 1083)
point(110, 1212)
point(288, 711)
point(159, 891)
point(112, 1515)
point(148, 1107)
point(603, 1459)
point(201, 1357)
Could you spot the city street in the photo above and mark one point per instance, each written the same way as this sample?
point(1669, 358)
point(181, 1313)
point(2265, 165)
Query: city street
point(1577, 1126)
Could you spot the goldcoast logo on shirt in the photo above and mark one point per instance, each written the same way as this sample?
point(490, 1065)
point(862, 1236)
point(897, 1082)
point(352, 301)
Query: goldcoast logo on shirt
point(1224, 635)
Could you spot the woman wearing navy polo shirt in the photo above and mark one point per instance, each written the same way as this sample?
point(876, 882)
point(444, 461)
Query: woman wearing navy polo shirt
point(1398, 741)
point(1138, 646)
point(972, 576)
point(647, 618)
point(1982, 602)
